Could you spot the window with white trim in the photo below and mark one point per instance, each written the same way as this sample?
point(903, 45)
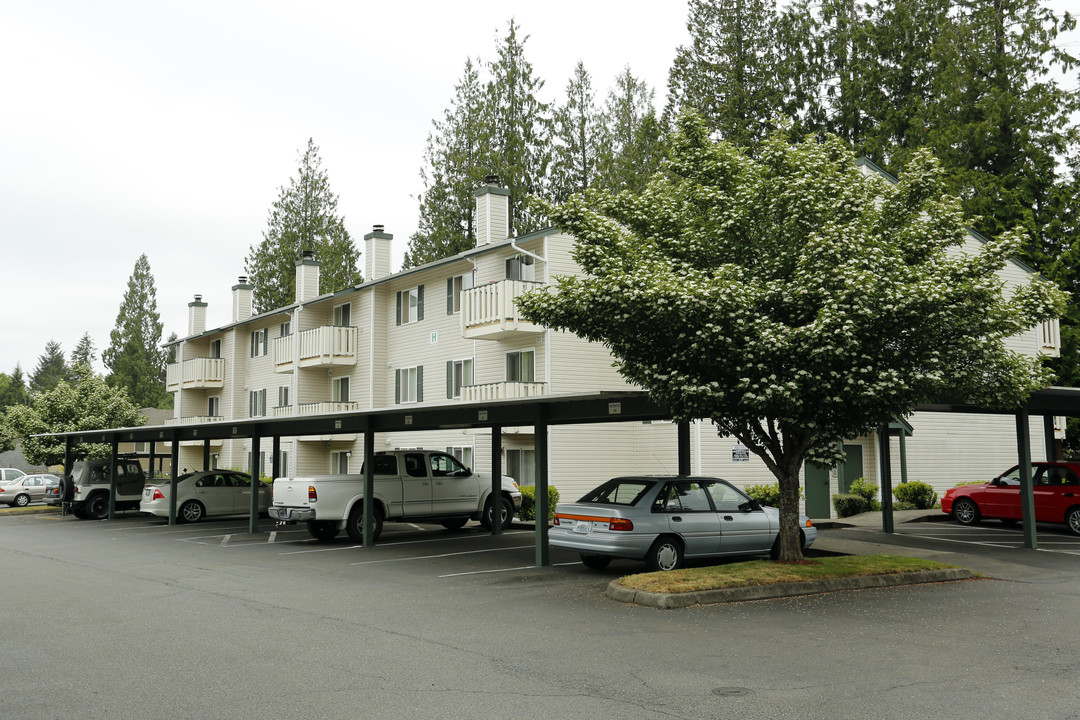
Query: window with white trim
point(256, 403)
point(340, 389)
point(454, 287)
point(462, 453)
point(458, 375)
point(258, 342)
point(283, 463)
point(283, 396)
point(520, 267)
point(285, 329)
point(339, 462)
point(521, 465)
point(343, 315)
point(215, 348)
point(215, 460)
point(410, 305)
point(213, 406)
point(520, 366)
point(409, 385)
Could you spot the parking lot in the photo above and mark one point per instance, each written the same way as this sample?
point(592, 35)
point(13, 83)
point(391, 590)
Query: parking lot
point(132, 618)
point(992, 533)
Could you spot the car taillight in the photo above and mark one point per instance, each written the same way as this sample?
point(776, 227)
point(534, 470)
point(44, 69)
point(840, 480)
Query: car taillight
point(312, 496)
point(157, 495)
point(620, 524)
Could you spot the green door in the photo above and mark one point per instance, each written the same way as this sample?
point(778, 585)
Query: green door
point(817, 490)
point(851, 469)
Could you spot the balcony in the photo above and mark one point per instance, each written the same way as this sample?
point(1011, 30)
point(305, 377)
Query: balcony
point(196, 419)
point(502, 391)
point(195, 373)
point(317, 408)
point(488, 312)
point(326, 346)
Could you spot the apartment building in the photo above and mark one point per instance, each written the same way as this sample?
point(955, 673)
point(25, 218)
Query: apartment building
point(448, 332)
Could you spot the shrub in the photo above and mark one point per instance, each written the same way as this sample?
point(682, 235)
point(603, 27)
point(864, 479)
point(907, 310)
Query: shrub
point(765, 494)
point(903, 505)
point(867, 491)
point(847, 504)
point(919, 494)
point(528, 502)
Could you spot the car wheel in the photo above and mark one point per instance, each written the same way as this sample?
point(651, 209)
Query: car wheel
point(355, 526)
point(97, 507)
point(190, 512)
point(80, 514)
point(506, 516)
point(595, 562)
point(1072, 519)
point(966, 511)
point(323, 530)
point(665, 554)
point(454, 523)
point(22, 500)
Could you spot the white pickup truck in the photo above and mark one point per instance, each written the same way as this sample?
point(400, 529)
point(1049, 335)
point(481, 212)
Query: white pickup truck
point(410, 485)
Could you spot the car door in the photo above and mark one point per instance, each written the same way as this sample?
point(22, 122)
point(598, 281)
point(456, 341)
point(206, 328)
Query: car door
point(744, 526)
point(35, 488)
point(453, 489)
point(416, 486)
point(1055, 488)
point(215, 492)
point(1001, 498)
point(241, 492)
point(690, 514)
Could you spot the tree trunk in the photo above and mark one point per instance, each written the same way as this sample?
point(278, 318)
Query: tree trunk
point(790, 543)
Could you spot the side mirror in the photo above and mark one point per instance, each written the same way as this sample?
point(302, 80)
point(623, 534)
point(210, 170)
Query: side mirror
point(750, 506)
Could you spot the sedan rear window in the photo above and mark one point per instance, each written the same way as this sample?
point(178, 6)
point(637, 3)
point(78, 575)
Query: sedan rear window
point(620, 491)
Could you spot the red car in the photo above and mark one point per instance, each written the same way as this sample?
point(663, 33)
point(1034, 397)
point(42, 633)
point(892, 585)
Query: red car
point(1056, 488)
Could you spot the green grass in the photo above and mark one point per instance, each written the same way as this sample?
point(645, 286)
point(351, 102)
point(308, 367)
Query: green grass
point(29, 509)
point(767, 572)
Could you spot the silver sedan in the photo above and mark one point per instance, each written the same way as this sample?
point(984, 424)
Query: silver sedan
point(665, 520)
point(22, 491)
point(210, 492)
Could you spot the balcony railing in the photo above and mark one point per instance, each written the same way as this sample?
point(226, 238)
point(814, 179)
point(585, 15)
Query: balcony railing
point(328, 346)
point(488, 312)
point(195, 373)
point(322, 408)
point(196, 419)
point(502, 391)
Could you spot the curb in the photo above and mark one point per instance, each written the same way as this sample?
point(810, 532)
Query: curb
point(30, 510)
point(667, 601)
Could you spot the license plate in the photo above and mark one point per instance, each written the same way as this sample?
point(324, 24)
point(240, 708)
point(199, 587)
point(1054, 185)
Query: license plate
point(583, 527)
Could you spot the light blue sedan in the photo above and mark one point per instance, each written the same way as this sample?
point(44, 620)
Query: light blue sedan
point(665, 520)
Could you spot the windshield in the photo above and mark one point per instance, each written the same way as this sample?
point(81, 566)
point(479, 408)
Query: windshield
point(620, 491)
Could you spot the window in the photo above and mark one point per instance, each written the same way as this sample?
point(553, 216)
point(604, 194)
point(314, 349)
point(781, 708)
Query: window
point(258, 342)
point(409, 385)
point(458, 375)
point(256, 403)
point(283, 463)
point(725, 497)
point(140, 447)
point(454, 286)
point(215, 348)
point(213, 406)
point(519, 366)
point(283, 396)
point(520, 267)
point(262, 464)
point(462, 453)
point(215, 459)
point(339, 462)
point(683, 497)
point(521, 465)
point(286, 329)
point(340, 389)
point(343, 315)
point(410, 305)
point(445, 466)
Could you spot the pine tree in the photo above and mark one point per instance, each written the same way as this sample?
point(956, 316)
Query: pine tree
point(577, 138)
point(134, 357)
point(304, 217)
point(631, 150)
point(13, 389)
point(84, 353)
point(455, 162)
point(50, 370)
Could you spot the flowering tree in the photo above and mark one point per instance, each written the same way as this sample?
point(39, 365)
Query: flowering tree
point(792, 299)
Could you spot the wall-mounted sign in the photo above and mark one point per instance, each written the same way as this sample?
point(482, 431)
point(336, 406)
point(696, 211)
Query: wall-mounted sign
point(740, 453)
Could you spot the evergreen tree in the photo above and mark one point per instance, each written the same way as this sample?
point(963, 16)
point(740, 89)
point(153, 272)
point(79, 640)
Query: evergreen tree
point(577, 138)
point(50, 370)
point(84, 353)
point(454, 166)
point(13, 389)
point(304, 217)
point(631, 149)
point(520, 130)
point(134, 358)
point(728, 72)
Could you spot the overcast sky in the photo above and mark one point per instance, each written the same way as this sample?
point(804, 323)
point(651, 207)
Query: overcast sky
point(166, 128)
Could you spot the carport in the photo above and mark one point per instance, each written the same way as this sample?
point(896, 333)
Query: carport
point(539, 413)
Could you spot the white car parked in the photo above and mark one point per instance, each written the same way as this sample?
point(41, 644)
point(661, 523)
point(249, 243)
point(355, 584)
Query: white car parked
point(210, 492)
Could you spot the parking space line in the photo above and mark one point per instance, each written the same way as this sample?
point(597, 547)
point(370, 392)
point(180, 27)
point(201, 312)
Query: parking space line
point(443, 555)
point(523, 567)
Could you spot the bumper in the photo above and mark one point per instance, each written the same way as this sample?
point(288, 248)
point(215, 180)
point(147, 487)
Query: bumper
point(290, 514)
point(811, 535)
point(625, 545)
point(516, 499)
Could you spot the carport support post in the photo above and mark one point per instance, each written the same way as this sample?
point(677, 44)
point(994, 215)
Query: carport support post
point(174, 451)
point(153, 455)
point(684, 447)
point(886, 479)
point(1048, 437)
point(275, 457)
point(68, 465)
point(369, 486)
point(112, 478)
point(496, 478)
point(540, 446)
point(206, 454)
point(256, 473)
point(1027, 496)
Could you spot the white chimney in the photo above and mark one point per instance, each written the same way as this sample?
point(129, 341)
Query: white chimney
point(377, 253)
point(492, 212)
point(196, 317)
point(307, 277)
point(241, 300)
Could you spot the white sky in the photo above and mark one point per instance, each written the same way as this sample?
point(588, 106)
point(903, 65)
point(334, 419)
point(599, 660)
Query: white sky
point(166, 128)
